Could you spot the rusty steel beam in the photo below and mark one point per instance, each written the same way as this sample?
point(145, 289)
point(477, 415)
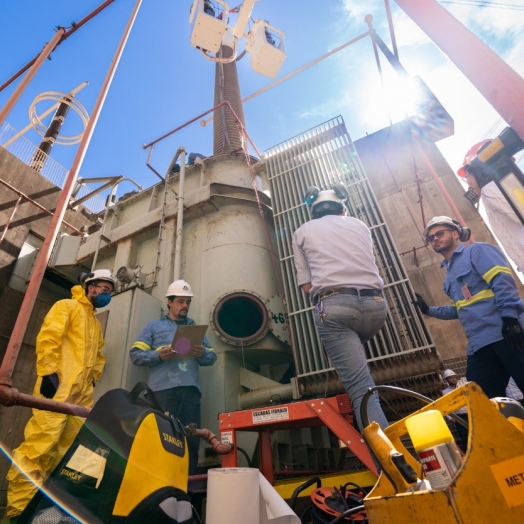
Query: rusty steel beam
point(225, 103)
point(66, 34)
point(22, 320)
point(17, 93)
point(6, 227)
point(35, 203)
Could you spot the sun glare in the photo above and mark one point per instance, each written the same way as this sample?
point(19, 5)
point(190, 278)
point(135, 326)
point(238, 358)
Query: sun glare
point(398, 99)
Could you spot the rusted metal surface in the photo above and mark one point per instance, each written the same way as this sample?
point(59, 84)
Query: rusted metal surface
point(35, 203)
point(211, 438)
point(11, 216)
point(19, 329)
point(225, 103)
point(75, 27)
point(12, 397)
point(17, 93)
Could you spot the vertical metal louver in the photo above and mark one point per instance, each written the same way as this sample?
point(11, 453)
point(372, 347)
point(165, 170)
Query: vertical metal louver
point(321, 156)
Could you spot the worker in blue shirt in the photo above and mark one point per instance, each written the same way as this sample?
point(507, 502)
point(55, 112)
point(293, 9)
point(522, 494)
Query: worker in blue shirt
point(174, 378)
point(484, 297)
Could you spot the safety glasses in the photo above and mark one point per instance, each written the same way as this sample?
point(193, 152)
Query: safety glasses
point(438, 234)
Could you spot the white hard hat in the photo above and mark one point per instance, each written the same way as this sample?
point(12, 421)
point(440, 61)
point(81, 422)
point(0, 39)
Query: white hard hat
point(100, 274)
point(327, 200)
point(179, 288)
point(464, 232)
point(448, 373)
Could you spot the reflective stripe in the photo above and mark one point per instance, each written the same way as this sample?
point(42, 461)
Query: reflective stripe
point(488, 276)
point(481, 295)
point(210, 349)
point(141, 345)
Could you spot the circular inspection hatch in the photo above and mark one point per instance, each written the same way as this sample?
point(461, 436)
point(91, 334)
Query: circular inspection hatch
point(240, 317)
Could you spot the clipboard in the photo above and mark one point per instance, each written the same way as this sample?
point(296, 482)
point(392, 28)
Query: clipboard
point(187, 336)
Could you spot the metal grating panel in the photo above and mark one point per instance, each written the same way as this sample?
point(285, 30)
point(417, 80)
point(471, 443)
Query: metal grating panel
point(320, 157)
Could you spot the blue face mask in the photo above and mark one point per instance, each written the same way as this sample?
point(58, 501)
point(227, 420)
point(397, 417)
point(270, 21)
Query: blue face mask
point(102, 299)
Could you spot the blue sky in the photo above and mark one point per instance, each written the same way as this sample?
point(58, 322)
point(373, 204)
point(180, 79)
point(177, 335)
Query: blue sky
point(163, 82)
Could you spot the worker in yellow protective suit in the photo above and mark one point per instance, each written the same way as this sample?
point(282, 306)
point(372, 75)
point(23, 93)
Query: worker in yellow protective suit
point(68, 363)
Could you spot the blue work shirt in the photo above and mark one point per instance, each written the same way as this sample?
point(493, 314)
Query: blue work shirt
point(166, 374)
point(491, 293)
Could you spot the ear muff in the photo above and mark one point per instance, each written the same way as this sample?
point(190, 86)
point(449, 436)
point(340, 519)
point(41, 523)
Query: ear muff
point(311, 195)
point(464, 232)
point(340, 190)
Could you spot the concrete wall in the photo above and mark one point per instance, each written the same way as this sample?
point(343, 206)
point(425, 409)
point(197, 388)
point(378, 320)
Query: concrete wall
point(392, 163)
point(28, 219)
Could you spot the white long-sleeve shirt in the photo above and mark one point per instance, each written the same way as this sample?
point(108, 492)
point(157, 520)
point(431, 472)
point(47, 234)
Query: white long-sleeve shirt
point(335, 252)
point(505, 223)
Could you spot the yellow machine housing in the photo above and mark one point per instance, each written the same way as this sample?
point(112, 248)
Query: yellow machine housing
point(488, 487)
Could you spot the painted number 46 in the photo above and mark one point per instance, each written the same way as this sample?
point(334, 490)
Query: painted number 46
point(279, 319)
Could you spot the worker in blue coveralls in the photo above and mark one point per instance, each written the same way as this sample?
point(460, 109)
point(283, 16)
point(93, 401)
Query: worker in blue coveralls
point(484, 297)
point(174, 378)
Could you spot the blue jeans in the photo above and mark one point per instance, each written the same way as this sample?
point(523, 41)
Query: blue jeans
point(349, 323)
point(183, 403)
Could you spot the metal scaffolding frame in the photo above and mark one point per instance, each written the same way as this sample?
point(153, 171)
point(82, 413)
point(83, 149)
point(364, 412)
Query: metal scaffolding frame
point(403, 349)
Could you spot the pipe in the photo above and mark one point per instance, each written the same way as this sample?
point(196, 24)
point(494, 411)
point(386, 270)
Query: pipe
point(12, 397)
point(219, 447)
point(39, 206)
point(75, 27)
point(148, 164)
point(161, 230)
point(413, 249)
point(442, 188)
point(225, 103)
point(180, 214)
point(19, 329)
point(264, 396)
point(104, 220)
point(17, 93)
point(10, 218)
point(82, 181)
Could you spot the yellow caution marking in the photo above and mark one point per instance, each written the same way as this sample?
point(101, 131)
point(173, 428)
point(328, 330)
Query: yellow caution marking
point(519, 195)
point(509, 476)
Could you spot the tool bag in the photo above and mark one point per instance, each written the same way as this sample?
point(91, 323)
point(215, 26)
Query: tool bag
point(128, 464)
